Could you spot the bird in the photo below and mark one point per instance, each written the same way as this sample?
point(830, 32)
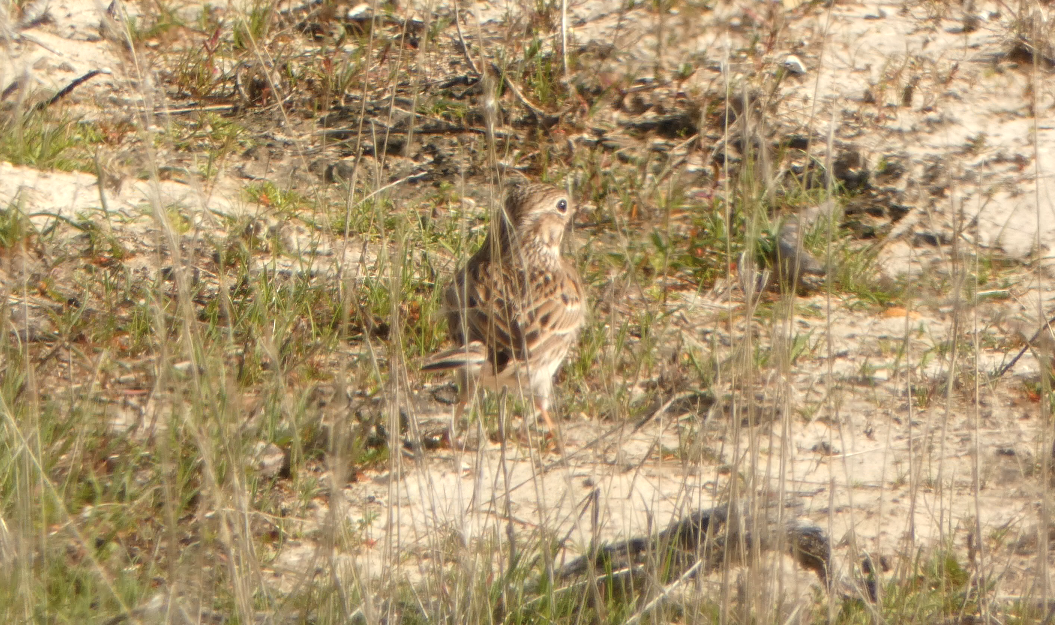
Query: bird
point(788, 265)
point(516, 308)
point(792, 262)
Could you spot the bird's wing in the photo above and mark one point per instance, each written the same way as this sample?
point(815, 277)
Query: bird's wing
point(515, 316)
point(479, 305)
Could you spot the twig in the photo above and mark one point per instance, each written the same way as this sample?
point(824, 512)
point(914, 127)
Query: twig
point(59, 217)
point(39, 43)
point(195, 109)
point(537, 110)
point(1022, 351)
point(394, 183)
point(461, 39)
point(70, 87)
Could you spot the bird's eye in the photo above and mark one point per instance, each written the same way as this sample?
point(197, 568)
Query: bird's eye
point(562, 206)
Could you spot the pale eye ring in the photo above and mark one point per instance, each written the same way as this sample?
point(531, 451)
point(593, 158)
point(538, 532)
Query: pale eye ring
point(562, 206)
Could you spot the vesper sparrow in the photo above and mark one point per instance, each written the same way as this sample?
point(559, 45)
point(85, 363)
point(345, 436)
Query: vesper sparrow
point(515, 309)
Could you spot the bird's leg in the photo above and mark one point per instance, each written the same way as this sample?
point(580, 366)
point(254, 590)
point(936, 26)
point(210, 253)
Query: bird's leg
point(544, 413)
point(542, 408)
point(552, 434)
point(466, 393)
point(456, 418)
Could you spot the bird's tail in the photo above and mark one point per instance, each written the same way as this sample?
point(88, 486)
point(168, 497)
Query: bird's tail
point(463, 357)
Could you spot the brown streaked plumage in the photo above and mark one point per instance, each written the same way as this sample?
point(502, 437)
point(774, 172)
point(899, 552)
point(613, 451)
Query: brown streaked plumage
point(516, 308)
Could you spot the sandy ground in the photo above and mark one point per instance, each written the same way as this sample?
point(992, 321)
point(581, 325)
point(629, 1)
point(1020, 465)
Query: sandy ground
point(851, 447)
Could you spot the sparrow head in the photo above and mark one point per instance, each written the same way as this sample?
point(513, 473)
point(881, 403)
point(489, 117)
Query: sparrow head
point(539, 214)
